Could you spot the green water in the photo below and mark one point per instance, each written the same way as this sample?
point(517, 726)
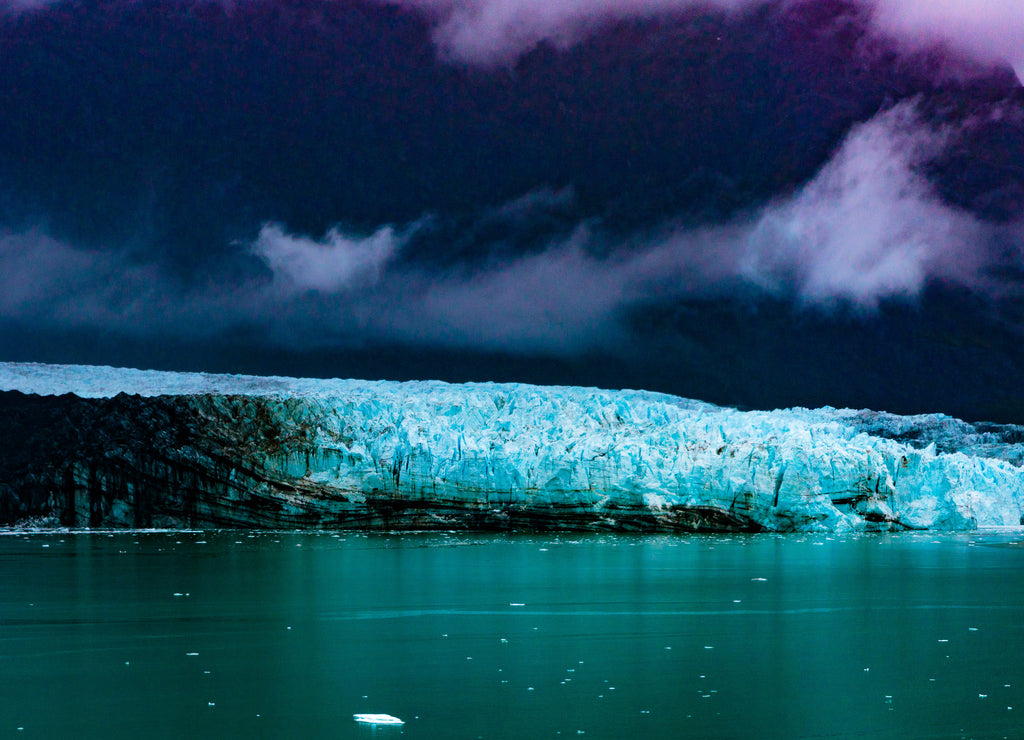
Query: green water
point(228, 634)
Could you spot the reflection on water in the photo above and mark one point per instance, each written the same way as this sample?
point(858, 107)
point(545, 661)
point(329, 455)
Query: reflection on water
point(217, 634)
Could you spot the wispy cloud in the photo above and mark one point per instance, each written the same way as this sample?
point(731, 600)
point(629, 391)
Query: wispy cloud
point(869, 226)
point(338, 262)
point(45, 279)
point(495, 31)
point(561, 300)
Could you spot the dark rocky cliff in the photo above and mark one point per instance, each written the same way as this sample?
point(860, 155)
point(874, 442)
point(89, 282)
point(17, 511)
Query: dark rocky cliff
point(127, 461)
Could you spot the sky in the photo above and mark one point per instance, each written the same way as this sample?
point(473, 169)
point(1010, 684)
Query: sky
point(753, 203)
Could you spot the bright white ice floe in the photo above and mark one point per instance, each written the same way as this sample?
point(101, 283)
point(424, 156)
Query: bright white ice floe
point(377, 719)
point(613, 453)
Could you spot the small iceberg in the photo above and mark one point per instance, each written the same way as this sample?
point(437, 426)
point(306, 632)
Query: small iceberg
point(377, 719)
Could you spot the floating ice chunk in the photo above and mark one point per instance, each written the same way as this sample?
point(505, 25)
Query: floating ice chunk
point(377, 719)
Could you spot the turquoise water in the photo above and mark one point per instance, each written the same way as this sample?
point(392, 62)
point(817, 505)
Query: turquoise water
point(229, 634)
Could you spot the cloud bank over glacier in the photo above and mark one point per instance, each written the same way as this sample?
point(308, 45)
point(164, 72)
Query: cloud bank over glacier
point(868, 228)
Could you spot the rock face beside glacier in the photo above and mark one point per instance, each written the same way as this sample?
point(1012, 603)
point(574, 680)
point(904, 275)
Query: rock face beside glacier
point(101, 447)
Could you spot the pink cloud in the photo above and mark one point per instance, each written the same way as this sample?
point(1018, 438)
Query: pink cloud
point(495, 31)
point(987, 30)
point(488, 32)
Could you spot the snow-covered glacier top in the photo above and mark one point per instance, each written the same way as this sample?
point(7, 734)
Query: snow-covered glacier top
point(93, 381)
point(612, 450)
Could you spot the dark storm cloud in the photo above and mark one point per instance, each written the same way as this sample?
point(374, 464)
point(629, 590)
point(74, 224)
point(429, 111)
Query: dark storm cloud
point(181, 127)
point(517, 180)
point(50, 283)
point(867, 228)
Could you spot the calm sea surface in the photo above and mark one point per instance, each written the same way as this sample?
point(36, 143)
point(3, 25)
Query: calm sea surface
point(229, 634)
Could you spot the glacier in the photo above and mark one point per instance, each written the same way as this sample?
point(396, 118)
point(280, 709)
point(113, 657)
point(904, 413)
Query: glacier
point(108, 447)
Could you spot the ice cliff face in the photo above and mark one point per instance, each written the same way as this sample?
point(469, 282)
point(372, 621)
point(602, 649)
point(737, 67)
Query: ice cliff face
point(202, 450)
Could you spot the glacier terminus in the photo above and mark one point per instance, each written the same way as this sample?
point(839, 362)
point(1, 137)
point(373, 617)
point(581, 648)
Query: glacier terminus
point(106, 447)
